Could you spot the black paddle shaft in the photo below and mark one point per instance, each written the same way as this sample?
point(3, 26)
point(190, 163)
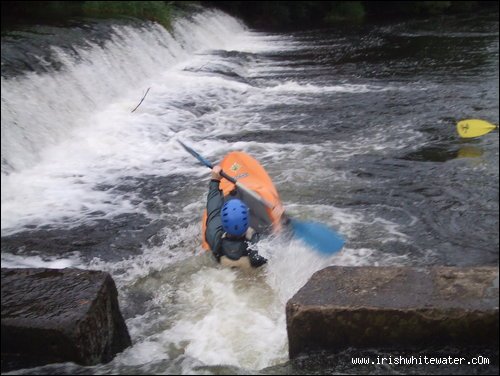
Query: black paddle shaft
point(227, 177)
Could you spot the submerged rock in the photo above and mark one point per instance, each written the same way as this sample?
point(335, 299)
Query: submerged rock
point(59, 315)
point(394, 307)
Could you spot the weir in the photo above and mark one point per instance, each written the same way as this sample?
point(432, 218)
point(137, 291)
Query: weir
point(342, 120)
point(69, 75)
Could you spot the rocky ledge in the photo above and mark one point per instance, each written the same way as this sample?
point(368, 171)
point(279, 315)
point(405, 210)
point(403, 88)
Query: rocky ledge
point(60, 315)
point(394, 307)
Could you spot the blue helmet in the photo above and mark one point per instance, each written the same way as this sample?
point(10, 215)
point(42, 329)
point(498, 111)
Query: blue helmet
point(235, 217)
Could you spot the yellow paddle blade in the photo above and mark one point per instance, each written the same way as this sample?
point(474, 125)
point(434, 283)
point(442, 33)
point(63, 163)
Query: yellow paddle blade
point(473, 128)
point(469, 152)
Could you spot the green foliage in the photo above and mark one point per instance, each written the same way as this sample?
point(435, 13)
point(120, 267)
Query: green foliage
point(61, 9)
point(158, 11)
point(259, 14)
point(276, 12)
point(28, 12)
point(420, 8)
point(463, 6)
point(345, 11)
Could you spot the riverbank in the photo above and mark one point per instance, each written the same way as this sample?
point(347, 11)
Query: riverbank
point(17, 14)
point(262, 15)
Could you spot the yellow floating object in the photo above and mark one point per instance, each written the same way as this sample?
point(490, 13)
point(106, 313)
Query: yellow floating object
point(474, 128)
point(469, 152)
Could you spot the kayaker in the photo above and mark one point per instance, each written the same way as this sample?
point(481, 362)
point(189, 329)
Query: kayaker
point(227, 228)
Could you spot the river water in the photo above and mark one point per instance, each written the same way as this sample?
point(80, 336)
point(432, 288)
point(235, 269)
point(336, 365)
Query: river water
point(356, 127)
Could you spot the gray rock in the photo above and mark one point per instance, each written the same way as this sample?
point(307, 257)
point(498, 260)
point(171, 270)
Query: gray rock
point(59, 315)
point(394, 307)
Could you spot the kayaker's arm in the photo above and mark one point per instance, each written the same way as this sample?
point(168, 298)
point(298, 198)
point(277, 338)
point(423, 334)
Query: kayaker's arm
point(214, 230)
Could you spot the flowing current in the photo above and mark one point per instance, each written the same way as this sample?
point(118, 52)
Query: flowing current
point(355, 127)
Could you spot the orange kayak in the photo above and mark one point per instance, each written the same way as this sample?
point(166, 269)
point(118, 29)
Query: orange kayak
point(250, 173)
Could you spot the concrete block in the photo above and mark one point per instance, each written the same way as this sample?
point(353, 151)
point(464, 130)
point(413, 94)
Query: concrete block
point(394, 307)
point(59, 315)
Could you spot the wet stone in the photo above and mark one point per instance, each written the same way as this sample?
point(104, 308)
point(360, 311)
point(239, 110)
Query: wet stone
point(60, 315)
point(394, 307)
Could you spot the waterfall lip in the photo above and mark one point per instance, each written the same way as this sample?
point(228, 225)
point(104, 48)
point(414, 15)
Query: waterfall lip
point(34, 48)
point(67, 131)
point(54, 78)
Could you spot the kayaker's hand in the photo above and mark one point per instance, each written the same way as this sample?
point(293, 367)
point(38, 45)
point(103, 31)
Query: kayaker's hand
point(216, 172)
point(256, 260)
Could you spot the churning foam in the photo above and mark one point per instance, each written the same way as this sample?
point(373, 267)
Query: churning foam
point(38, 110)
point(66, 131)
point(55, 160)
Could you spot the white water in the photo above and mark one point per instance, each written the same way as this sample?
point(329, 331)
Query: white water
point(83, 133)
point(66, 132)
